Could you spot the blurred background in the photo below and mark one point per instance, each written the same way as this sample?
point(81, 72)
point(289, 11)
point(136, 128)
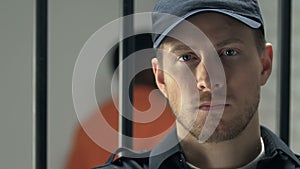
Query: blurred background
point(71, 23)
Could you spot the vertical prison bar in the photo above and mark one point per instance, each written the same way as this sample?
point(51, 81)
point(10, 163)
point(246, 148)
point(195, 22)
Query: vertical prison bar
point(40, 104)
point(126, 84)
point(285, 63)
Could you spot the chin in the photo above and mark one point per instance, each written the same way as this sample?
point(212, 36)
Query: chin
point(220, 134)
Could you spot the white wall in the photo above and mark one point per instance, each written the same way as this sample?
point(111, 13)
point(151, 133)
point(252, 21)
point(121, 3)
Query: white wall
point(72, 22)
point(295, 80)
point(267, 109)
point(16, 30)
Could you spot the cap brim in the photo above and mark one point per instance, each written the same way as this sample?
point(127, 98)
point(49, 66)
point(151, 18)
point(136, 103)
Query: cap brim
point(251, 23)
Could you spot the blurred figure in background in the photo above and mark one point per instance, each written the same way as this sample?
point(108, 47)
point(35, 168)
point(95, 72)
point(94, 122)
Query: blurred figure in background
point(86, 153)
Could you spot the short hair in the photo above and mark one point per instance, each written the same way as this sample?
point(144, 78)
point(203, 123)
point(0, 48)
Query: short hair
point(260, 40)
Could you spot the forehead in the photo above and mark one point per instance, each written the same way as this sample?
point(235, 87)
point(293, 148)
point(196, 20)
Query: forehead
point(214, 28)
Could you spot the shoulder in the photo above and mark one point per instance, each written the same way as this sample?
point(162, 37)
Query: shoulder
point(129, 160)
point(126, 163)
point(277, 153)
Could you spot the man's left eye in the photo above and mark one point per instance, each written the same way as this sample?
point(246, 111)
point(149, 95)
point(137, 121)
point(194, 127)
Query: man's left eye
point(229, 52)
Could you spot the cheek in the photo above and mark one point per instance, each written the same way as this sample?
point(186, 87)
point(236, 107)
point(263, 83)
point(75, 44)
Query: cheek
point(179, 76)
point(178, 89)
point(173, 93)
point(172, 87)
point(243, 79)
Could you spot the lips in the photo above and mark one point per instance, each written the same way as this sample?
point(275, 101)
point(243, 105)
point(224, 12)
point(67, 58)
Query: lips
point(209, 106)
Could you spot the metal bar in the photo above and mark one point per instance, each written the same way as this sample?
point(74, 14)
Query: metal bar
point(126, 87)
point(285, 63)
point(41, 85)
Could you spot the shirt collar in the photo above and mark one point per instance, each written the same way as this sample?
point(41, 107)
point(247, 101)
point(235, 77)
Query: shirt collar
point(170, 145)
point(274, 144)
point(252, 164)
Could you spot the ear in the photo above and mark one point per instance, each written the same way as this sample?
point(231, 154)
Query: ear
point(266, 62)
point(159, 77)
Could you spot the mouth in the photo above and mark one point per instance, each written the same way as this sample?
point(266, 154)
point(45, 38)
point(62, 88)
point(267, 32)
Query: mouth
point(209, 106)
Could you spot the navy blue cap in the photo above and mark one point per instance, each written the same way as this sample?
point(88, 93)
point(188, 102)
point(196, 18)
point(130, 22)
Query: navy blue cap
point(245, 11)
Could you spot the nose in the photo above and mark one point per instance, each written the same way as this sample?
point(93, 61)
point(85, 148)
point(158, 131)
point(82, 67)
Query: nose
point(204, 78)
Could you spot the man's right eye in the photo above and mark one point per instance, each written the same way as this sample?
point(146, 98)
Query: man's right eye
point(185, 57)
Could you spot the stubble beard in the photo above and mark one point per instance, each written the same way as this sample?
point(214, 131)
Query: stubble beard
point(226, 130)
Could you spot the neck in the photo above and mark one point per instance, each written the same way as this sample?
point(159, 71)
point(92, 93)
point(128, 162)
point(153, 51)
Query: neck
point(232, 153)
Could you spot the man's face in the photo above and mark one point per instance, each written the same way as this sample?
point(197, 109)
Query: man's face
point(190, 97)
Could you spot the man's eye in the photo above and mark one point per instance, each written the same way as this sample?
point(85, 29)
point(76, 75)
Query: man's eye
point(185, 57)
point(229, 52)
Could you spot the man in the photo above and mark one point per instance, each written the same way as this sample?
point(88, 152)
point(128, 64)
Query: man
point(211, 74)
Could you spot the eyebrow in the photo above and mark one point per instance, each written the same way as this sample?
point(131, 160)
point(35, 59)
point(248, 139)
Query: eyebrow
point(182, 47)
point(228, 41)
point(179, 47)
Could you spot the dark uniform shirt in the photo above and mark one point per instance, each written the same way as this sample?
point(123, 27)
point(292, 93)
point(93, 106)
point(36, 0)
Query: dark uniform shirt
point(169, 155)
